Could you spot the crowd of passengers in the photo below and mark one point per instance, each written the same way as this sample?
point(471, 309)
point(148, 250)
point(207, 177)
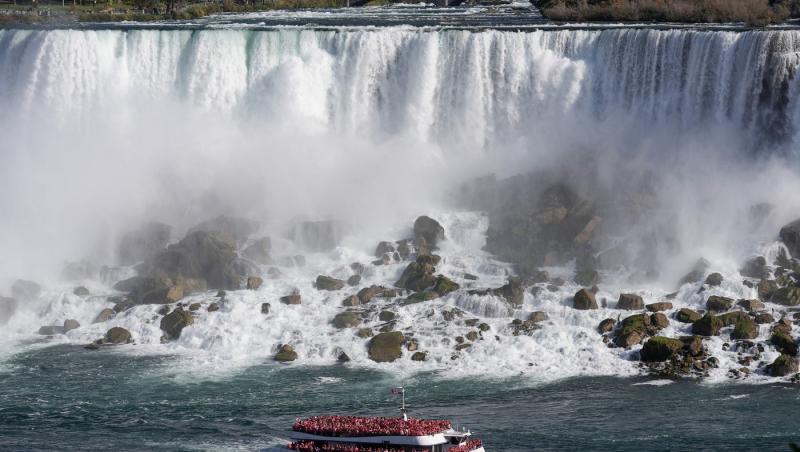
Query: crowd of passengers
point(369, 426)
point(311, 446)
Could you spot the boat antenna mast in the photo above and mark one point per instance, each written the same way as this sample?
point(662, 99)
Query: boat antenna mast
point(402, 392)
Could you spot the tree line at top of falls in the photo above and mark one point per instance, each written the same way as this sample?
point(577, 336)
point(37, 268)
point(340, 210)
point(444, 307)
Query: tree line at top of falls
point(751, 12)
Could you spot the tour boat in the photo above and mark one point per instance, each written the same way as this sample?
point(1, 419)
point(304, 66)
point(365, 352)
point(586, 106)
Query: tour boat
point(380, 434)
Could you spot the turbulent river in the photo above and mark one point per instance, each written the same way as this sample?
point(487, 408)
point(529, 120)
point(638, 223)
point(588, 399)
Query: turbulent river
point(370, 118)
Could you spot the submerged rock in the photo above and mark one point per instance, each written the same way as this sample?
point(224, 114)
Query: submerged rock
point(386, 347)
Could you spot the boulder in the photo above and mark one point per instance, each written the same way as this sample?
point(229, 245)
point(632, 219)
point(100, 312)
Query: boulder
point(584, 300)
point(782, 366)
point(212, 307)
point(25, 290)
point(692, 345)
point(751, 305)
point(195, 307)
point(364, 333)
point(328, 283)
point(259, 251)
point(512, 291)
point(606, 326)
point(384, 248)
point(427, 234)
point(81, 291)
point(51, 330)
point(538, 316)
point(633, 329)
point(787, 296)
point(731, 318)
point(386, 347)
point(285, 354)
point(660, 306)
point(419, 356)
point(352, 300)
point(714, 279)
point(745, 329)
point(357, 267)
point(708, 325)
point(764, 317)
point(419, 297)
point(70, 324)
point(387, 316)
point(630, 302)
point(354, 280)
point(142, 243)
point(444, 285)
point(173, 323)
point(784, 343)
point(118, 335)
point(316, 236)
point(254, 282)
point(716, 303)
point(659, 321)
point(233, 230)
point(660, 348)
point(755, 268)
point(366, 294)
point(686, 315)
point(418, 275)
point(790, 235)
point(766, 288)
point(347, 319)
point(587, 278)
point(265, 307)
point(104, 315)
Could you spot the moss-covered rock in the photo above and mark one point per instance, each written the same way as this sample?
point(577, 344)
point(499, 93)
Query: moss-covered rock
point(328, 283)
point(686, 315)
point(783, 365)
point(745, 329)
point(584, 300)
point(764, 317)
point(633, 329)
point(730, 318)
point(660, 306)
point(708, 325)
point(787, 296)
point(386, 347)
point(630, 302)
point(444, 285)
point(784, 343)
point(285, 354)
point(766, 288)
point(751, 305)
point(660, 348)
point(418, 275)
point(716, 303)
point(419, 297)
point(347, 319)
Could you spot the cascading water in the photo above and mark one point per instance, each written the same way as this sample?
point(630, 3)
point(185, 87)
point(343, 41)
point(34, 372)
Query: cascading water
point(103, 128)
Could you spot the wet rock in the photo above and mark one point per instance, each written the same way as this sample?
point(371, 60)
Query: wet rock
point(484, 327)
point(512, 291)
point(364, 333)
point(587, 278)
point(790, 235)
point(630, 302)
point(782, 366)
point(260, 251)
point(659, 321)
point(81, 291)
point(764, 317)
point(386, 347)
point(787, 296)
point(755, 268)
point(606, 326)
point(70, 324)
point(254, 283)
point(118, 335)
point(660, 348)
point(384, 248)
point(633, 329)
point(347, 319)
point(387, 316)
point(316, 236)
point(285, 354)
point(472, 336)
point(194, 307)
point(660, 306)
point(731, 318)
point(745, 329)
point(419, 356)
point(427, 234)
point(686, 315)
point(25, 290)
point(328, 283)
point(163, 310)
point(766, 288)
point(693, 345)
point(470, 277)
point(354, 280)
point(523, 327)
point(444, 285)
point(342, 358)
point(366, 294)
point(265, 307)
point(708, 325)
point(51, 330)
point(784, 343)
point(352, 300)
point(212, 307)
point(714, 279)
point(418, 275)
point(173, 323)
point(716, 303)
point(142, 243)
point(584, 300)
point(104, 315)
point(420, 297)
point(751, 305)
point(538, 316)
point(291, 299)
